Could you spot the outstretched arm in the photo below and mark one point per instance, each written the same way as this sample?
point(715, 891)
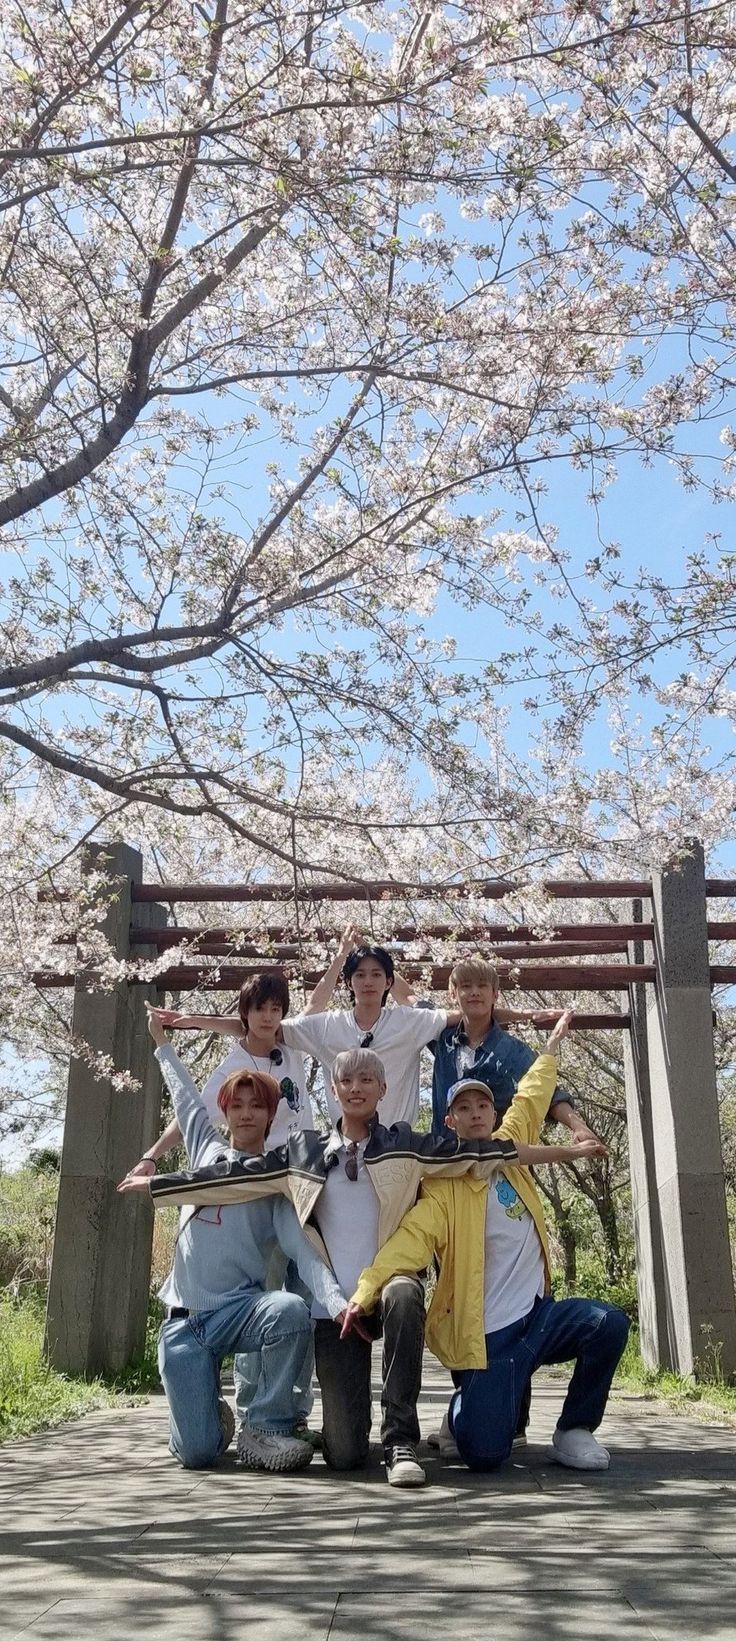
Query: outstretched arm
point(565, 1114)
point(146, 1168)
point(581, 1151)
point(225, 1024)
point(199, 1134)
point(318, 999)
point(506, 1015)
point(191, 1122)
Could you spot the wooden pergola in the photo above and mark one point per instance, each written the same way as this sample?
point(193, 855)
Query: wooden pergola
point(654, 950)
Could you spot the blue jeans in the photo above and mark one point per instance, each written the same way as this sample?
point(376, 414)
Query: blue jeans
point(282, 1272)
point(190, 1353)
point(484, 1411)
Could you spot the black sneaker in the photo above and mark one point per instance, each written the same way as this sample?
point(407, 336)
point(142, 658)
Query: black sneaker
point(402, 1466)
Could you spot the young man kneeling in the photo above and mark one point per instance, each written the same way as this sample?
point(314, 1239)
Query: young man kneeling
point(215, 1290)
point(354, 1185)
point(492, 1320)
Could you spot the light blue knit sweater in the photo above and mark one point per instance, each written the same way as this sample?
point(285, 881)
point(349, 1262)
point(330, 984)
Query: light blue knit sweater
point(223, 1252)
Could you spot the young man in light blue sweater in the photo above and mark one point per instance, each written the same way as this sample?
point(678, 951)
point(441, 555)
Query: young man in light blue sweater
point(215, 1291)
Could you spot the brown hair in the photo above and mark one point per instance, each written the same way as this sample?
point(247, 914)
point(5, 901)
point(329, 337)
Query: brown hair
point(474, 968)
point(263, 988)
point(264, 1087)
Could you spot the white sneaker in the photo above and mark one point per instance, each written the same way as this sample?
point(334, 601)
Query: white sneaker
point(264, 1450)
point(519, 1439)
point(579, 1450)
point(402, 1466)
point(443, 1441)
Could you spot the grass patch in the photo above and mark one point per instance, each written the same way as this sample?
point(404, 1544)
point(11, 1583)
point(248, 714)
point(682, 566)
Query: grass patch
point(141, 1376)
point(32, 1395)
point(703, 1399)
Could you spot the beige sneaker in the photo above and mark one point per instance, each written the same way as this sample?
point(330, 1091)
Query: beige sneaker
point(443, 1441)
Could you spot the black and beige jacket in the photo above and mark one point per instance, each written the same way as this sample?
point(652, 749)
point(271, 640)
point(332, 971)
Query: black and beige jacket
point(397, 1159)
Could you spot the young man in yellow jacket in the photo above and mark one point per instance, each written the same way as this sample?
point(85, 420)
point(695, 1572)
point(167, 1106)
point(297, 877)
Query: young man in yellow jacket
point(492, 1320)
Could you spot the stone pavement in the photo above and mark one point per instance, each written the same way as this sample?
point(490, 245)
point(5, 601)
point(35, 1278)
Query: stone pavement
point(104, 1537)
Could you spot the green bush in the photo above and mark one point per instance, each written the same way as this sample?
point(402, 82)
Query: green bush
point(142, 1375)
point(27, 1216)
point(32, 1395)
point(592, 1283)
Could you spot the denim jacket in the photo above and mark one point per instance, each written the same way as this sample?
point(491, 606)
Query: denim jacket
point(501, 1060)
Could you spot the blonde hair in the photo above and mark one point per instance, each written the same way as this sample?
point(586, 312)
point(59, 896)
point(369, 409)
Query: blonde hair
point(358, 1059)
point(473, 968)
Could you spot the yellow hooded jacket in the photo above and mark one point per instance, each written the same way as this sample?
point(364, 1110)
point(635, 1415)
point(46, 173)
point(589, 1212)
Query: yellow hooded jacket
point(449, 1222)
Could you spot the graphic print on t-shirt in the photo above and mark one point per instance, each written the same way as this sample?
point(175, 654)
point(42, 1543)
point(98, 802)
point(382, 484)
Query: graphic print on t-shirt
point(290, 1093)
point(510, 1199)
point(513, 1275)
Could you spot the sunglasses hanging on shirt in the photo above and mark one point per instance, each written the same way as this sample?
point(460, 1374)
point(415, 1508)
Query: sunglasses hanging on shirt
point(351, 1160)
point(365, 1042)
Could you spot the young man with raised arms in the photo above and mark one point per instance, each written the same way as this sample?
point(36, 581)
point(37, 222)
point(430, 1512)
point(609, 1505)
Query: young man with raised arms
point(475, 1045)
point(216, 1290)
point(492, 1320)
point(354, 1185)
point(262, 1005)
point(397, 1033)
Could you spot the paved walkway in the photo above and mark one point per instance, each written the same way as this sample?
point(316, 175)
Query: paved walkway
point(103, 1537)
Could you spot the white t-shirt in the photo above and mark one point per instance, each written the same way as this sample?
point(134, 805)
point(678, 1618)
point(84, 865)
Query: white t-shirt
point(294, 1109)
point(514, 1262)
point(347, 1217)
point(399, 1035)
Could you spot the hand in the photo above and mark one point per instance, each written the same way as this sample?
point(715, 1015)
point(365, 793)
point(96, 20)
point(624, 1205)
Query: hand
point(167, 1017)
point(135, 1181)
point(351, 1322)
point(588, 1145)
point(146, 1168)
point(544, 1017)
point(156, 1024)
point(560, 1032)
point(351, 936)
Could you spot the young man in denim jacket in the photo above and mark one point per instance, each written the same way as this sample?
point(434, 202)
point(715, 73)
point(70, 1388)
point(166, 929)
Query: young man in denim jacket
point(478, 1047)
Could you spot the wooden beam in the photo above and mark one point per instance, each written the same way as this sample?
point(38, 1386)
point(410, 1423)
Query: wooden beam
point(384, 889)
point(207, 947)
point(533, 977)
point(485, 934)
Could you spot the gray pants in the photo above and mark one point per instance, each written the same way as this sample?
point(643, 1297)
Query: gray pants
point(344, 1374)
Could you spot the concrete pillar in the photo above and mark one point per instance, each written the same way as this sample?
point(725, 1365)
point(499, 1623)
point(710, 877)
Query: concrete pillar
point(100, 1273)
point(650, 1270)
point(685, 1131)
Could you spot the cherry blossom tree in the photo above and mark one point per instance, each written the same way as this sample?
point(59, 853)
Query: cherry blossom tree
point(303, 307)
point(408, 258)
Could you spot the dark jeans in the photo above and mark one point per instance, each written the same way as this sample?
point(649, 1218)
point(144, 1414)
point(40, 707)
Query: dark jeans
point(344, 1374)
point(484, 1411)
